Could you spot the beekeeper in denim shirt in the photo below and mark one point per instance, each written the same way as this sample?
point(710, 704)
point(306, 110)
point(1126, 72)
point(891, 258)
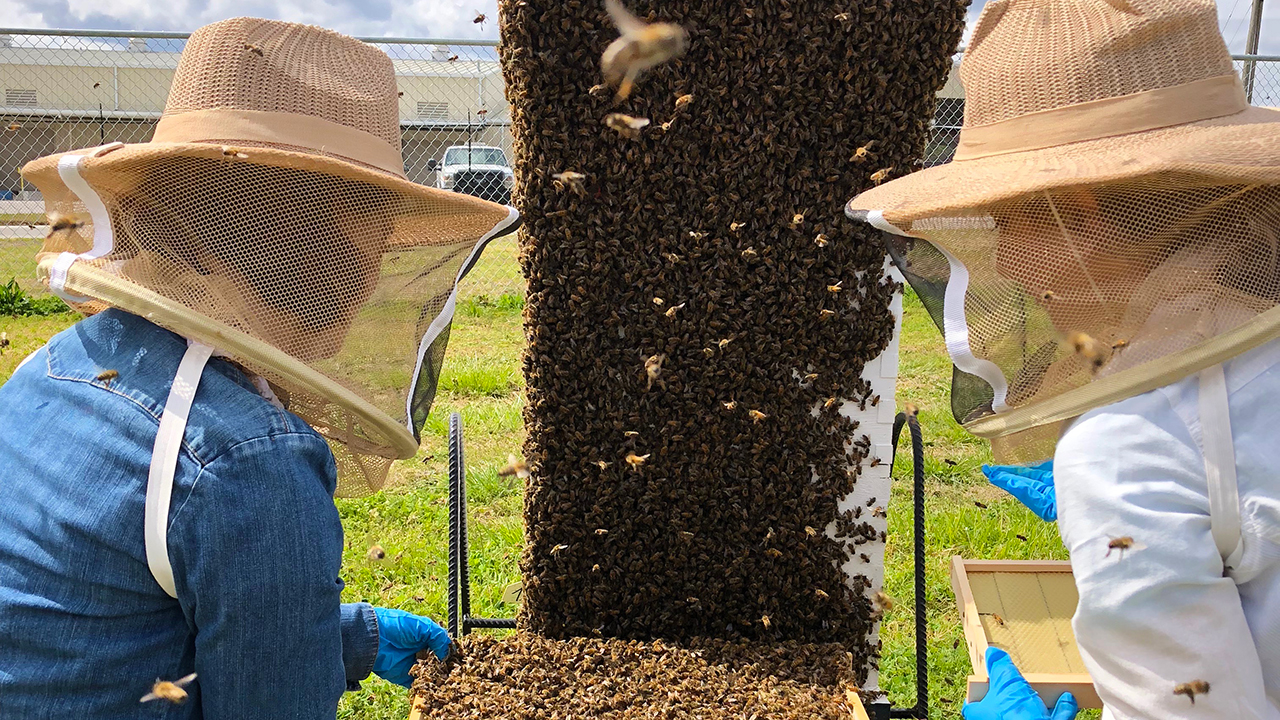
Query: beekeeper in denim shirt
point(260, 279)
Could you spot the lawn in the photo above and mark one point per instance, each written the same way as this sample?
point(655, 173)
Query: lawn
point(482, 380)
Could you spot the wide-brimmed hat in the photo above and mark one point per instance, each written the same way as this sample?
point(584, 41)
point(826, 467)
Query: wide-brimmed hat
point(1077, 92)
point(270, 217)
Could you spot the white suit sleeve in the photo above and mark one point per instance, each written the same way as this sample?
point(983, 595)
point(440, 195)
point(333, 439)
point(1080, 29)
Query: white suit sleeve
point(1160, 615)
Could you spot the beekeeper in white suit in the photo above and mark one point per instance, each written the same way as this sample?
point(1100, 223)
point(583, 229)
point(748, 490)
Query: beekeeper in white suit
point(1103, 256)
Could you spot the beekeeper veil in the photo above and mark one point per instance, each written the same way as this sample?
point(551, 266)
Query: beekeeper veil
point(270, 220)
point(1110, 222)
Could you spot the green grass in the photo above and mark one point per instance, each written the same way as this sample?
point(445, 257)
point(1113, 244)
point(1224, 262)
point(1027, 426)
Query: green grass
point(482, 380)
point(23, 219)
point(18, 260)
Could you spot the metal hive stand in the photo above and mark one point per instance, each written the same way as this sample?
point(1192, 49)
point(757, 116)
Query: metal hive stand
point(462, 623)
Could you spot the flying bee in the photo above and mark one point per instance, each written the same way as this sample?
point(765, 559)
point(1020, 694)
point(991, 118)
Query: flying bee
point(376, 553)
point(756, 416)
point(878, 176)
point(4, 340)
point(453, 58)
point(601, 531)
point(671, 311)
point(827, 314)
point(1047, 295)
point(659, 301)
point(843, 18)
point(810, 531)
point(234, 152)
point(836, 287)
point(625, 125)
point(861, 153)
point(749, 253)
point(572, 180)
point(736, 226)
point(106, 376)
point(730, 405)
point(1119, 345)
point(169, 691)
point(253, 49)
point(641, 46)
point(603, 464)
point(724, 343)
point(653, 369)
point(1122, 543)
point(683, 100)
point(764, 620)
point(635, 461)
point(480, 19)
point(559, 549)
point(631, 433)
point(59, 222)
point(821, 240)
point(97, 85)
point(598, 90)
point(910, 409)
point(1086, 347)
point(822, 594)
point(880, 602)
point(809, 378)
point(797, 220)
point(1192, 689)
point(695, 235)
point(14, 127)
point(830, 402)
point(515, 466)
point(595, 568)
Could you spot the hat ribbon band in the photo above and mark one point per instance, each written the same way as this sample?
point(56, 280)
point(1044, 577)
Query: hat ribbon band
point(1205, 99)
point(229, 126)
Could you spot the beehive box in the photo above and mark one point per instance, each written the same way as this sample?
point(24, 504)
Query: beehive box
point(1023, 607)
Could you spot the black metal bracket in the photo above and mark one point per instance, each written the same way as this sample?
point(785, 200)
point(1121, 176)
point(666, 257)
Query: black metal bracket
point(461, 622)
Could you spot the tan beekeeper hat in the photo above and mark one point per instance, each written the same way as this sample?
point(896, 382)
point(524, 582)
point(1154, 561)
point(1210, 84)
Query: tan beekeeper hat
point(270, 217)
point(1073, 92)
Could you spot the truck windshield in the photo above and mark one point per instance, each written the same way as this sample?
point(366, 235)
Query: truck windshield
point(479, 156)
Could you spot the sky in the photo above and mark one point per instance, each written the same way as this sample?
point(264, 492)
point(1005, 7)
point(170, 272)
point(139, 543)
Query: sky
point(419, 18)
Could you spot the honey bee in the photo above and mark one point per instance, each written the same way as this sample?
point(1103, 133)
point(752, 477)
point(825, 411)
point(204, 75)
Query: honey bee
point(910, 409)
point(253, 49)
point(480, 19)
point(683, 100)
point(641, 46)
point(724, 343)
point(797, 220)
point(879, 512)
point(836, 287)
point(822, 594)
point(97, 85)
point(106, 376)
point(169, 691)
point(234, 152)
point(826, 314)
point(843, 17)
point(376, 553)
point(749, 253)
point(732, 404)
point(773, 553)
point(881, 602)
point(595, 568)
point(810, 531)
point(559, 549)
point(1192, 689)
point(653, 369)
point(1086, 347)
point(980, 504)
point(453, 58)
point(635, 461)
point(671, 311)
point(672, 257)
point(736, 226)
point(878, 176)
point(994, 617)
point(572, 180)
point(708, 352)
point(830, 402)
point(1047, 295)
point(659, 301)
point(756, 416)
point(875, 462)
point(686, 534)
point(861, 153)
point(14, 127)
point(1122, 543)
point(603, 464)
point(631, 433)
point(809, 378)
point(515, 466)
point(59, 222)
point(625, 125)
point(695, 235)
point(601, 531)
point(4, 340)
point(1021, 537)
point(766, 622)
point(1119, 345)
point(821, 240)
point(598, 90)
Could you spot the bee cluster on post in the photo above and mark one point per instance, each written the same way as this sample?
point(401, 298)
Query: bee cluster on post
point(700, 310)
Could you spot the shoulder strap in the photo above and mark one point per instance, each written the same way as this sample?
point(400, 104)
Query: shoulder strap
point(1220, 465)
point(164, 461)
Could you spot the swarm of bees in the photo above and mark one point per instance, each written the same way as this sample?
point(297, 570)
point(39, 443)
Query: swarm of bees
point(508, 677)
point(734, 213)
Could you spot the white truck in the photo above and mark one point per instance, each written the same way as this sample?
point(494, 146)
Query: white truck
point(479, 170)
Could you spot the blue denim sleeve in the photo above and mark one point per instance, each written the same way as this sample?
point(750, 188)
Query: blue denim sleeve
point(256, 548)
point(359, 642)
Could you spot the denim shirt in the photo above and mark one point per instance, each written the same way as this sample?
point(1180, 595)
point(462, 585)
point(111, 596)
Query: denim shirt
point(254, 539)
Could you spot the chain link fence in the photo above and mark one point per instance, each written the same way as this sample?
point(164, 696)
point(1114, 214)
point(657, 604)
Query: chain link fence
point(72, 89)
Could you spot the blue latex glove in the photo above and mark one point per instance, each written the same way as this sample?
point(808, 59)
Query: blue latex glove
point(1032, 486)
point(1010, 697)
point(400, 636)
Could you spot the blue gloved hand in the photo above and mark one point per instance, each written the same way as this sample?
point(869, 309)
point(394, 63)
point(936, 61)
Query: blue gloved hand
point(1010, 697)
point(400, 636)
point(1032, 486)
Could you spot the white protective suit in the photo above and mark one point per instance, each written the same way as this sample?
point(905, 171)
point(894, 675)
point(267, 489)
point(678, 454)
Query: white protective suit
point(1165, 613)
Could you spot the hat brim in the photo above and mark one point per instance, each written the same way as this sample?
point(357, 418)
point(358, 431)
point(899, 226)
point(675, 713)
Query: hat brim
point(1235, 149)
point(447, 203)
